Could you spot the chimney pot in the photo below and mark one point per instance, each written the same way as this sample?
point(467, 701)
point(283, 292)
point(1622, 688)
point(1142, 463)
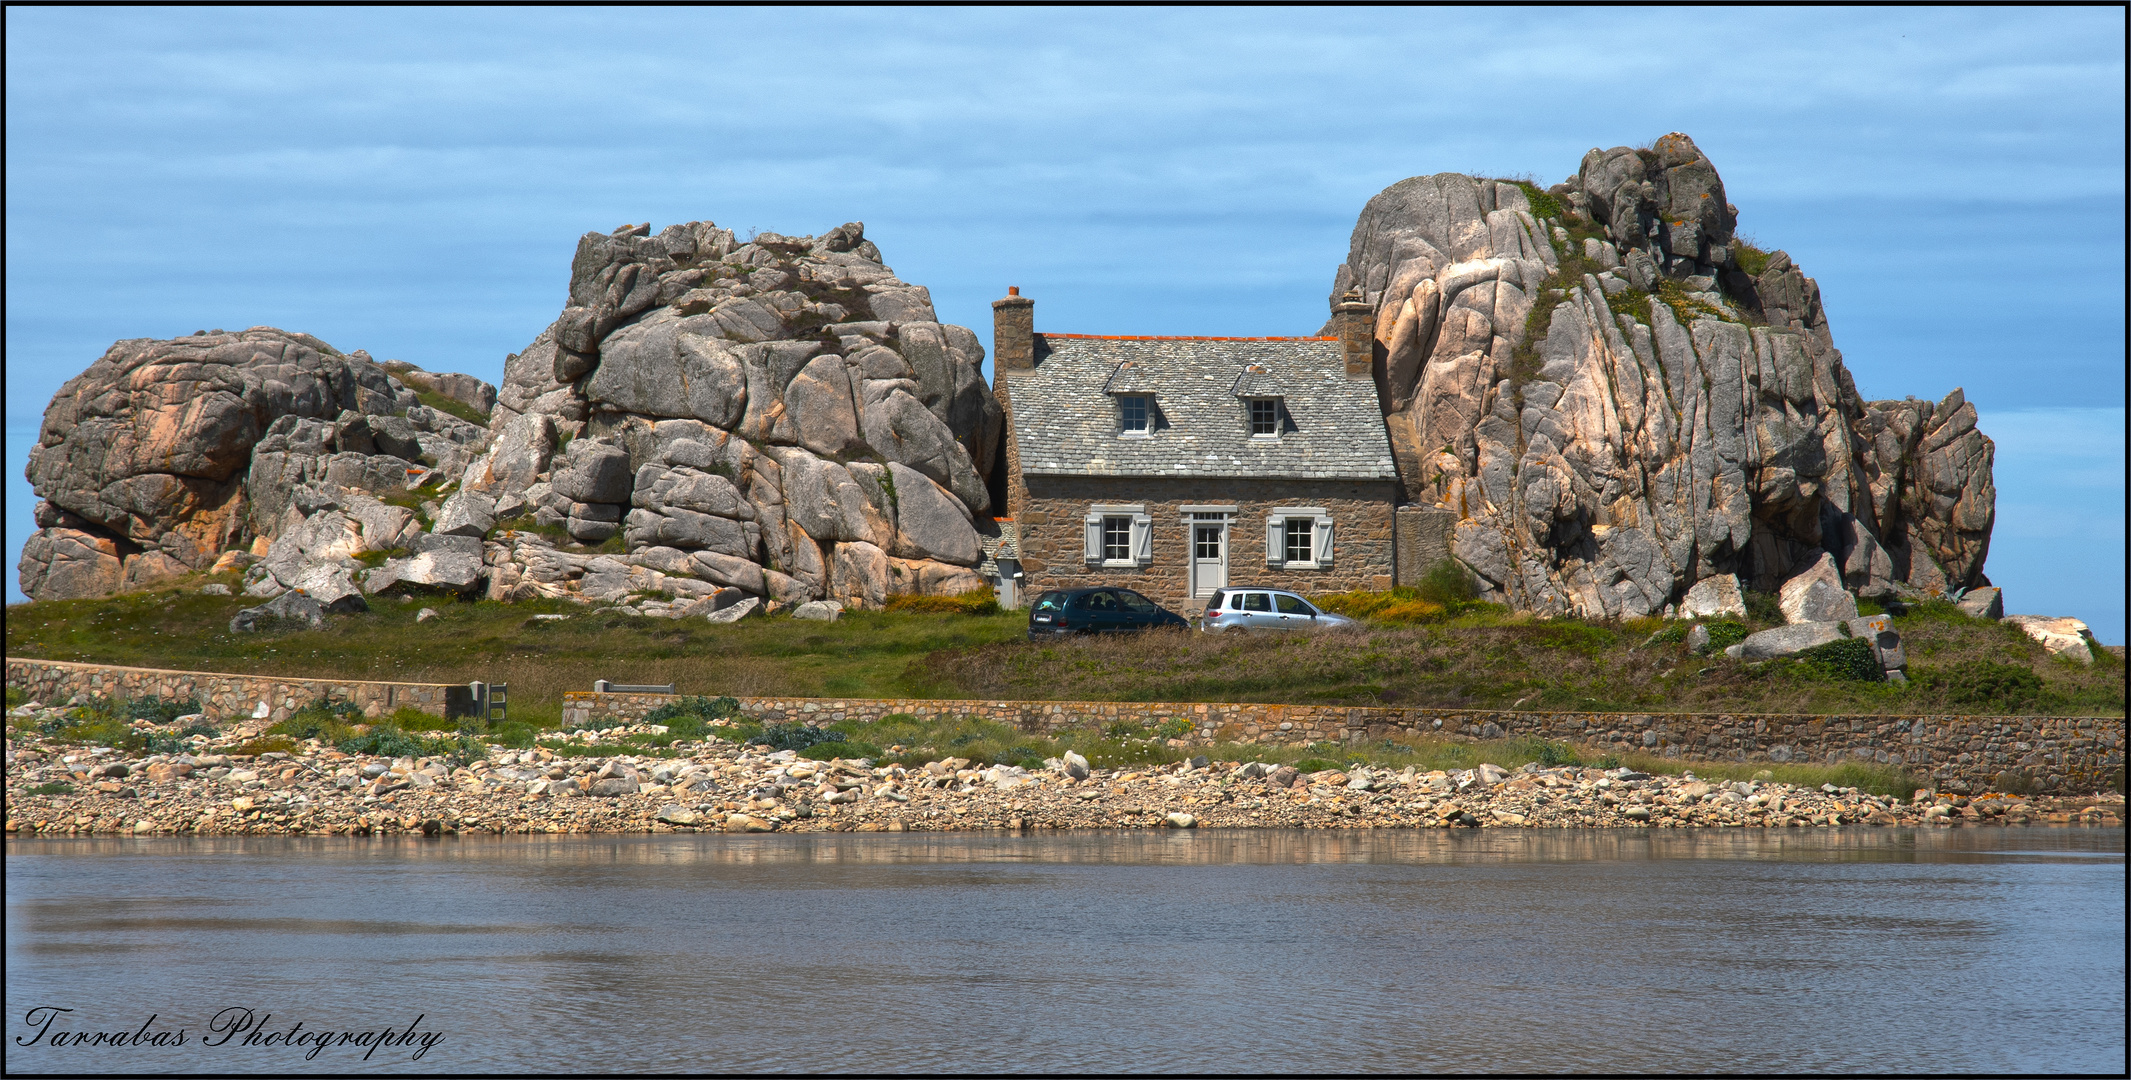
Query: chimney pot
point(1013, 290)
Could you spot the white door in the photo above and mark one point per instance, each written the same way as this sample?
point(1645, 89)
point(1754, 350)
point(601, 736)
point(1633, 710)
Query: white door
point(1209, 558)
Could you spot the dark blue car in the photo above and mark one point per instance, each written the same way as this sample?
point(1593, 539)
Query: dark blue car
point(1096, 611)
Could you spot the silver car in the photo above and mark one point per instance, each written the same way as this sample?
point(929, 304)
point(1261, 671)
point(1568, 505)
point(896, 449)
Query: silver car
point(1265, 609)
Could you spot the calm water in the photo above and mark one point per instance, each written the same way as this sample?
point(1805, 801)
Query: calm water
point(1984, 950)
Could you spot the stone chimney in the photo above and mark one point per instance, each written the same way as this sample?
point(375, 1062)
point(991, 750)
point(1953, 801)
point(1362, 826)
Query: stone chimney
point(1352, 323)
point(1013, 334)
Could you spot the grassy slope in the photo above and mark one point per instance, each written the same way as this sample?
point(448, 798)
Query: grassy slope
point(1481, 661)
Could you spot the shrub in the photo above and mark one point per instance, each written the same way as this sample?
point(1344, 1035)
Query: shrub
point(1763, 608)
point(1314, 764)
point(1176, 727)
point(690, 716)
point(385, 740)
point(1447, 583)
point(1725, 634)
point(977, 601)
point(1671, 634)
point(57, 787)
point(796, 736)
point(156, 710)
point(1403, 604)
point(1984, 682)
point(1548, 754)
point(1849, 659)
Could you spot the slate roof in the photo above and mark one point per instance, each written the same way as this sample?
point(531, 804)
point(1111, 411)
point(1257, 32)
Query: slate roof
point(1066, 421)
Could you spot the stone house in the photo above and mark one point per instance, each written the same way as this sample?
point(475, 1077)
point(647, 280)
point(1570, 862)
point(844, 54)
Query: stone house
point(1175, 466)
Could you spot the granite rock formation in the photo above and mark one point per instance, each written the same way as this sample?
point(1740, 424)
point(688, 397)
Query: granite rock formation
point(1619, 399)
point(780, 419)
point(163, 455)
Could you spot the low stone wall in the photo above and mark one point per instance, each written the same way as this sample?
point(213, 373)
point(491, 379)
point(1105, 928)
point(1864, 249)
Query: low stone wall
point(225, 696)
point(2043, 753)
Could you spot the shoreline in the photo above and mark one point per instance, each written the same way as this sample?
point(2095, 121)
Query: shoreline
point(714, 786)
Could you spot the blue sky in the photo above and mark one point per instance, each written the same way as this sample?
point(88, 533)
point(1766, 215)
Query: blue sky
point(412, 181)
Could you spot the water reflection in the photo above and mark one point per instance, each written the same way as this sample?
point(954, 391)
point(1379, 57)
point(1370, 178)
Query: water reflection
point(1792, 950)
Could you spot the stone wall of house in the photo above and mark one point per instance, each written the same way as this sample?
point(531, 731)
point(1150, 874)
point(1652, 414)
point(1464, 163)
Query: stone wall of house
point(2039, 753)
point(1053, 543)
point(226, 698)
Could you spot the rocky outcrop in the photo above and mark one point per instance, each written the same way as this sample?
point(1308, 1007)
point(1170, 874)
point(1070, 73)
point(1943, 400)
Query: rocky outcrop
point(1621, 400)
point(164, 455)
point(781, 419)
point(785, 403)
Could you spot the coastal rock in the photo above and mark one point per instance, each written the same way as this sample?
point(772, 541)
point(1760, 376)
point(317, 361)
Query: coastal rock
point(288, 608)
point(1716, 596)
point(1816, 594)
point(1786, 640)
point(2063, 636)
point(1607, 450)
point(1986, 602)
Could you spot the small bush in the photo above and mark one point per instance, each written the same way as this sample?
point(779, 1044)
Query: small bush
point(690, 716)
point(1314, 764)
point(978, 601)
point(157, 711)
point(797, 736)
point(1723, 635)
point(1763, 608)
point(57, 787)
point(1849, 659)
point(1751, 259)
point(1447, 583)
point(1176, 727)
point(1671, 634)
point(1548, 754)
point(385, 740)
point(1984, 682)
point(268, 744)
point(1403, 604)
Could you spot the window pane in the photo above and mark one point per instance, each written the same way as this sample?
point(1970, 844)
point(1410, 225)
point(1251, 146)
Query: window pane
point(1116, 538)
point(1215, 603)
point(1050, 601)
point(1135, 602)
point(1208, 541)
point(1299, 548)
point(1135, 410)
point(1291, 605)
point(1264, 418)
point(1257, 601)
point(1102, 601)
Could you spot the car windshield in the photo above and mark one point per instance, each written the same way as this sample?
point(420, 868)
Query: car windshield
point(1214, 604)
point(1136, 603)
point(1050, 601)
point(1292, 605)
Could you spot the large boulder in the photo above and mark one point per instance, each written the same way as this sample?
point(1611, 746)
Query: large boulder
point(1712, 597)
point(2062, 635)
point(1815, 594)
point(169, 453)
point(1606, 450)
point(1786, 640)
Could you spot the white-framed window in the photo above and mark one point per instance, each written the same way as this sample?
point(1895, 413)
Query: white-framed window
point(1298, 538)
point(1119, 536)
point(1300, 545)
point(1116, 537)
point(1264, 417)
point(1132, 414)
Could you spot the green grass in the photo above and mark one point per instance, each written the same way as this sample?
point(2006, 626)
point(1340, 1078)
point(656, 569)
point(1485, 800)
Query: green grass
point(446, 405)
point(1479, 658)
point(909, 741)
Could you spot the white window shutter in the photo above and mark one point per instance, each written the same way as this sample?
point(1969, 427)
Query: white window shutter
point(1275, 540)
point(1323, 537)
point(1094, 537)
point(1142, 539)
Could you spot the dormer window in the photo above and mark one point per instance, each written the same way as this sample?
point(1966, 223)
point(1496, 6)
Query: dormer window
point(1132, 410)
point(1264, 418)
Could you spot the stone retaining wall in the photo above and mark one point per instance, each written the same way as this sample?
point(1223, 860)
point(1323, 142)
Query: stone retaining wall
point(2042, 753)
point(224, 696)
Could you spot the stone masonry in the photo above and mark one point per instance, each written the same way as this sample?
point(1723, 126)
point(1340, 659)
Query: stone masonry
point(2043, 753)
point(1053, 548)
point(224, 696)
